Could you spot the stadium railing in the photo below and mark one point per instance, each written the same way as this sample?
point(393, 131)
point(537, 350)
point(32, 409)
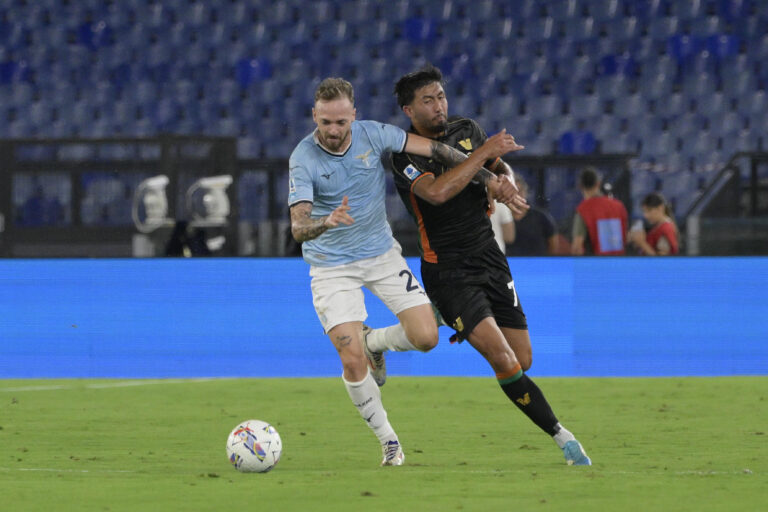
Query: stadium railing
point(731, 214)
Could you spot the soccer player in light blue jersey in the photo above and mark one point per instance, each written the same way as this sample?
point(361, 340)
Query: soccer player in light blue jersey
point(337, 196)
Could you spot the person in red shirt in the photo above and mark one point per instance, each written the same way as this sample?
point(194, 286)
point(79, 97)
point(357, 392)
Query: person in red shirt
point(600, 222)
point(661, 239)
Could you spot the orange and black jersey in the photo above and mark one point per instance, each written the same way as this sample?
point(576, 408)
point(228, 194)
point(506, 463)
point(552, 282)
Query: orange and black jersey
point(460, 226)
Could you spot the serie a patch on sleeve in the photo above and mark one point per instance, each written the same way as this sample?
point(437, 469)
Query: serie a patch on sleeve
point(411, 172)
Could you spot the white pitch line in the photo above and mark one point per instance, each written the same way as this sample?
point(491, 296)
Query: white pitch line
point(34, 388)
point(107, 385)
point(54, 470)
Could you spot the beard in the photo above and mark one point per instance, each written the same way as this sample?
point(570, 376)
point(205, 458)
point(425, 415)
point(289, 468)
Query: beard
point(438, 125)
point(334, 144)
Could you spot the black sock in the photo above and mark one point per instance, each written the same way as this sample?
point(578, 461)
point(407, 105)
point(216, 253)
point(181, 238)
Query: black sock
point(527, 396)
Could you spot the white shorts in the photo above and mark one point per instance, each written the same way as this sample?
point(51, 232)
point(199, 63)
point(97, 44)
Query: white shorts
point(337, 291)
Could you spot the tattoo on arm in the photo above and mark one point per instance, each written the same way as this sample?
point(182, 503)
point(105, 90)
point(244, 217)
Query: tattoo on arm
point(446, 155)
point(304, 227)
point(452, 157)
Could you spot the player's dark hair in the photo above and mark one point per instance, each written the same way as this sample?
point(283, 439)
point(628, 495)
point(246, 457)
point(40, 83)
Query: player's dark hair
point(405, 88)
point(589, 178)
point(333, 89)
point(654, 200)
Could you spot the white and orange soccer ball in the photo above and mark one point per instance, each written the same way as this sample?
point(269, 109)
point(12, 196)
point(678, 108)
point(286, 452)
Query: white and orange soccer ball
point(254, 446)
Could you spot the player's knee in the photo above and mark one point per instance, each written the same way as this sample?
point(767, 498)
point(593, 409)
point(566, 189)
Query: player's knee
point(502, 360)
point(425, 337)
point(354, 365)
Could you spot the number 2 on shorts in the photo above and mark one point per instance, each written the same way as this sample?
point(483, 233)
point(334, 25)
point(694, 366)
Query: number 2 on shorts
point(409, 286)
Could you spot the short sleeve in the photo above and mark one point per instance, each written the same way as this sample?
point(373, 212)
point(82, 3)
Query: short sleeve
point(300, 186)
point(392, 138)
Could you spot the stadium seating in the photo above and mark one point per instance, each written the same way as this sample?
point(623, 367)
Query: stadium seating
point(245, 68)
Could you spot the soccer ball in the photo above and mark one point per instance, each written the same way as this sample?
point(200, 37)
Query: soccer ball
point(254, 446)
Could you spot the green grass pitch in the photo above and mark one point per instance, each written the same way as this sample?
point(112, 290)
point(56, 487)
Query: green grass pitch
point(682, 444)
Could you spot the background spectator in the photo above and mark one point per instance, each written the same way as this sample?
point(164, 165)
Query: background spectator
point(535, 230)
point(661, 239)
point(600, 222)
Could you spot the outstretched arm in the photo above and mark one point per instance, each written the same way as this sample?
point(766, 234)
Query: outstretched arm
point(304, 227)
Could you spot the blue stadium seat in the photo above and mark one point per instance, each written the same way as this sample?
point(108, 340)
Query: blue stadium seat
point(753, 105)
point(420, 30)
point(739, 85)
point(124, 111)
point(465, 105)
point(663, 28)
point(707, 26)
point(689, 10)
point(165, 115)
point(196, 14)
point(731, 122)
point(610, 87)
point(746, 140)
point(713, 106)
point(619, 143)
point(607, 127)
point(737, 10)
point(699, 85)
point(604, 10)
point(545, 107)
point(579, 29)
point(540, 29)
point(630, 106)
point(502, 106)
point(360, 12)
point(660, 145)
point(580, 142)
point(19, 128)
point(587, 105)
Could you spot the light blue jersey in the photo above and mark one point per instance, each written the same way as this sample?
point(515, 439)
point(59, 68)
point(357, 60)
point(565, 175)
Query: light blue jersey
point(324, 178)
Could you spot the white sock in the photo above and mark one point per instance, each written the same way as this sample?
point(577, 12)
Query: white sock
point(563, 436)
point(389, 338)
point(366, 396)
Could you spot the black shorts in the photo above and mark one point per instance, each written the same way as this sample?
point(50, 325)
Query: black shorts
point(469, 290)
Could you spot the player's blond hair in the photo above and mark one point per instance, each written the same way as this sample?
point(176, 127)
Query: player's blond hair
point(334, 89)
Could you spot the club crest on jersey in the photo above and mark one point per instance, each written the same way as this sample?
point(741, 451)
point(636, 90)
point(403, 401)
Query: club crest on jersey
point(364, 157)
point(411, 172)
point(466, 144)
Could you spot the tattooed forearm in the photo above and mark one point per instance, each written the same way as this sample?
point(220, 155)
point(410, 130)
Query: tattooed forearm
point(451, 157)
point(304, 227)
point(446, 155)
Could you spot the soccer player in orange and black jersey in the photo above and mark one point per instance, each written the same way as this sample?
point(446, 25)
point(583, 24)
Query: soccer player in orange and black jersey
point(448, 234)
point(465, 274)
